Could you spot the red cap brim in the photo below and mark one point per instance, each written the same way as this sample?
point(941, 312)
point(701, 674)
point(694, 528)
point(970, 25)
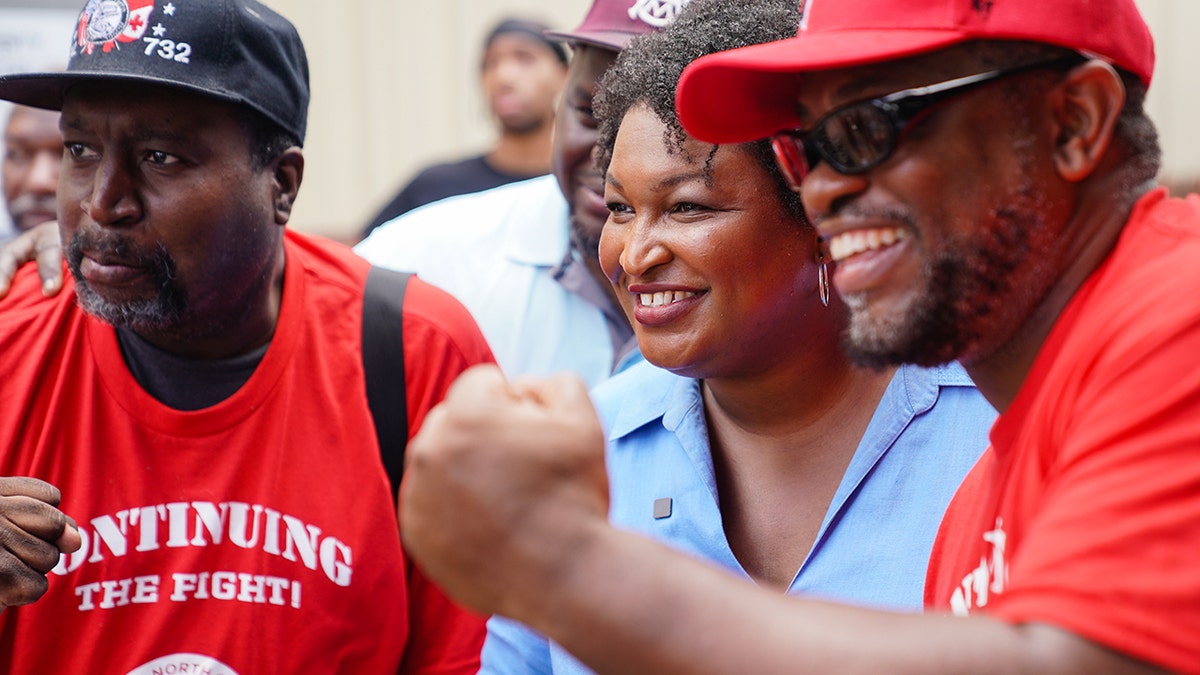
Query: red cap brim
point(750, 93)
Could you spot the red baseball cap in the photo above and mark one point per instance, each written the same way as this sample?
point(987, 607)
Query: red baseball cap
point(612, 24)
point(749, 93)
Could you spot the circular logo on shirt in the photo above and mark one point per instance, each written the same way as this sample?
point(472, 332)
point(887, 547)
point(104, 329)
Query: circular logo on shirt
point(184, 664)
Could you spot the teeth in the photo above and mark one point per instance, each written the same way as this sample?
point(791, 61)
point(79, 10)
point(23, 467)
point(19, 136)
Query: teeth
point(849, 243)
point(663, 298)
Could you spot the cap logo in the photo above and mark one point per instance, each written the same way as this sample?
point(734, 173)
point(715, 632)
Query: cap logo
point(657, 13)
point(109, 23)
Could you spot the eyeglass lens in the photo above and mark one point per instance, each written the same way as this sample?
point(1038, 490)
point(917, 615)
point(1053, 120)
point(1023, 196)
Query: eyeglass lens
point(789, 157)
point(854, 138)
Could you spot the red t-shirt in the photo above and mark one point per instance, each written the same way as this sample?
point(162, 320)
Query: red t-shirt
point(1085, 512)
point(254, 536)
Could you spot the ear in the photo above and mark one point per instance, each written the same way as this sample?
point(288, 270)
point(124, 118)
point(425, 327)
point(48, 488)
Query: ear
point(1086, 105)
point(287, 172)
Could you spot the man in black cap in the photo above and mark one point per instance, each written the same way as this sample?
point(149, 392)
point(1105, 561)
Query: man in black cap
point(200, 398)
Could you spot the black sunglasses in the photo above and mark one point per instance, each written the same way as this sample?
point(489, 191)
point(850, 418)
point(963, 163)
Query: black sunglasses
point(859, 136)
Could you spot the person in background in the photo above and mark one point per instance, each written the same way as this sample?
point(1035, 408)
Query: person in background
point(32, 154)
point(748, 438)
point(522, 73)
point(197, 401)
point(984, 175)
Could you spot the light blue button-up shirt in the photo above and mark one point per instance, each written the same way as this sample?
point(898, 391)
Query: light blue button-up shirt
point(874, 544)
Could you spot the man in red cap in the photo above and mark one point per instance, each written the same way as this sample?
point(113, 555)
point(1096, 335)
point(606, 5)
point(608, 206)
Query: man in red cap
point(984, 174)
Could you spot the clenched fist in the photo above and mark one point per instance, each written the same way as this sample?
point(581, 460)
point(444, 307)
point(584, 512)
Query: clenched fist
point(33, 533)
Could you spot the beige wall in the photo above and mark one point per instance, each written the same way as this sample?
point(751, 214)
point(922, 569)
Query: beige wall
point(395, 86)
point(1174, 100)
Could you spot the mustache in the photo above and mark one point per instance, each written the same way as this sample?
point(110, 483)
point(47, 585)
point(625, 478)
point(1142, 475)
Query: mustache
point(109, 246)
point(851, 209)
point(26, 203)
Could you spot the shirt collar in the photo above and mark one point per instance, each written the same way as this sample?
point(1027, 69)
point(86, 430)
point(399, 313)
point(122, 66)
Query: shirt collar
point(662, 394)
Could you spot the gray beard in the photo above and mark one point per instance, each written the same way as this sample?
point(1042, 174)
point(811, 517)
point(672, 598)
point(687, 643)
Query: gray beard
point(158, 314)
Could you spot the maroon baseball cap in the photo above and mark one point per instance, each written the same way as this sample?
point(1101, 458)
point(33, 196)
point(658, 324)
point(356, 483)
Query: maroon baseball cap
point(611, 24)
point(749, 93)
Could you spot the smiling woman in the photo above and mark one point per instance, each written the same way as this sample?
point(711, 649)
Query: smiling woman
point(749, 438)
point(716, 273)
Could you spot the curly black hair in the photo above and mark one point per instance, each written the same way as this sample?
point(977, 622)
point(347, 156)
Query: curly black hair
point(648, 71)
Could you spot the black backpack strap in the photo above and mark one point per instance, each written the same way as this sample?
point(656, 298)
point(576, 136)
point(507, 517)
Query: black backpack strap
point(383, 363)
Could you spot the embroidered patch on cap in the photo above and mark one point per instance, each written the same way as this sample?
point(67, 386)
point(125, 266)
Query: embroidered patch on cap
point(105, 23)
point(657, 13)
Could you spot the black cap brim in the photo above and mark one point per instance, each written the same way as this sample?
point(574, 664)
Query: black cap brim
point(47, 90)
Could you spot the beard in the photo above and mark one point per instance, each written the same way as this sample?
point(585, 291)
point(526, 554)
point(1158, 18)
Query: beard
point(159, 313)
point(30, 210)
point(582, 240)
point(974, 293)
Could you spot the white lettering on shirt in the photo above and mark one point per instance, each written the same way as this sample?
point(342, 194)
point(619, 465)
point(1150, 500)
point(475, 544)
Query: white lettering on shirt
point(197, 524)
point(990, 578)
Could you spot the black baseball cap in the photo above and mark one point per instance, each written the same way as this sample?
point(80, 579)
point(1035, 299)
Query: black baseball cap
point(233, 50)
point(531, 29)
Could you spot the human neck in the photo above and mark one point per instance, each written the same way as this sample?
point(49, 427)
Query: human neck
point(239, 326)
point(780, 446)
point(526, 154)
point(808, 399)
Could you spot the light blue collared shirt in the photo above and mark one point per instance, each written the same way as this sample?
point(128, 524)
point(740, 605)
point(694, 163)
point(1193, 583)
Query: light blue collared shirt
point(501, 254)
point(873, 547)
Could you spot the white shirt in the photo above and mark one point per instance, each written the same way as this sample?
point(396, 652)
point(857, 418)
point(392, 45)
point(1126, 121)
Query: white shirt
point(498, 252)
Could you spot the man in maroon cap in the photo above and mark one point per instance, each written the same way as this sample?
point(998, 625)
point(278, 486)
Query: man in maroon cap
point(984, 174)
point(523, 259)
